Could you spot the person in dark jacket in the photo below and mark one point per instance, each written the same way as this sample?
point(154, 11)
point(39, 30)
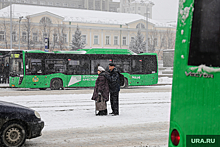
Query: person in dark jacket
point(114, 88)
point(102, 88)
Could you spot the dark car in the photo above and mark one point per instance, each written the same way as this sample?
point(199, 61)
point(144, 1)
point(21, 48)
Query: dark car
point(18, 123)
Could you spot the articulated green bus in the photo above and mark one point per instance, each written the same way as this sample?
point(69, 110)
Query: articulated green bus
point(195, 103)
point(62, 69)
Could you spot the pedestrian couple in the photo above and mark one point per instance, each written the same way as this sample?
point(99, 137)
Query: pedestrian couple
point(107, 82)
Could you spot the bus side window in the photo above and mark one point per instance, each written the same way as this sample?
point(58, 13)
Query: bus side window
point(34, 67)
point(123, 65)
point(137, 66)
point(55, 66)
point(95, 63)
point(150, 64)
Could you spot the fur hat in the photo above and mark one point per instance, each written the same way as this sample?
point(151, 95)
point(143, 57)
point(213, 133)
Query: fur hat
point(111, 64)
point(101, 68)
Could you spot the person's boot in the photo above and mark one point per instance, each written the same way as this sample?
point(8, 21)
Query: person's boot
point(105, 112)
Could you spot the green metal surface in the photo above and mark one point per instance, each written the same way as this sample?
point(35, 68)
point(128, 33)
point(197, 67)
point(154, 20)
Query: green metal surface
point(108, 51)
point(195, 105)
point(44, 81)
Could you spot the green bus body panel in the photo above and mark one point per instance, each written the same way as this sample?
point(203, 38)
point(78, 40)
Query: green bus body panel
point(43, 81)
point(195, 102)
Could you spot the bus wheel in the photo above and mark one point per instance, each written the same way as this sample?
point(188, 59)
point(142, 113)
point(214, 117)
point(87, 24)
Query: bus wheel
point(125, 83)
point(42, 88)
point(56, 84)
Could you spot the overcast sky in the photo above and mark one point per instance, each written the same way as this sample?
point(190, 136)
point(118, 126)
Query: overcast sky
point(165, 10)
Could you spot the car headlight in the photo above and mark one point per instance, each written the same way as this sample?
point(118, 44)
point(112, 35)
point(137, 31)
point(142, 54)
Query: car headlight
point(37, 114)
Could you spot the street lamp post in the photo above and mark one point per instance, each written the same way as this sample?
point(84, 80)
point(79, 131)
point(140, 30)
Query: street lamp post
point(19, 29)
point(146, 28)
point(10, 24)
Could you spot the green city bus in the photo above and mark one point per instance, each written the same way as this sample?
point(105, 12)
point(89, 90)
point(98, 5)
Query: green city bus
point(63, 69)
point(195, 102)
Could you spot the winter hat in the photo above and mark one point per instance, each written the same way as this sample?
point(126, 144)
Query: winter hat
point(111, 64)
point(101, 68)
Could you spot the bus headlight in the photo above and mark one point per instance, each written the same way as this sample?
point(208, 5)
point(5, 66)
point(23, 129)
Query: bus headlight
point(37, 114)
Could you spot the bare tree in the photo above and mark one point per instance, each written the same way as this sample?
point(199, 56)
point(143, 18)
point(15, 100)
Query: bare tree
point(170, 38)
point(5, 33)
point(45, 31)
point(28, 27)
point(152, 42)
point(62, 37)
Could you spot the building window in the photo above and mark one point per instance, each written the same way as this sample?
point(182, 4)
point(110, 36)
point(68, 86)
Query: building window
point(124, 41)
point(50, 3)
point(2, 35)
point(24, 36)
point(65, 38)
point(35, 37)
point(45, 20)
point(84, 39)
point(132, 38)
point(139, 8)
point(133, 8)
point(14, 36)
point(57, 4)
point(107, 40)
point(34, 2)
point(96, 39)
point(55, 38)
point(115, 40)
point(140, 26)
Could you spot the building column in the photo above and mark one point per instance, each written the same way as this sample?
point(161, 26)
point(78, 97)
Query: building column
point(101, 4)
point(102, 39)
point(121, 5)
point(90, 39)
point(86, 4)
point(128, 38)
point(107, 5)
point(93, 4)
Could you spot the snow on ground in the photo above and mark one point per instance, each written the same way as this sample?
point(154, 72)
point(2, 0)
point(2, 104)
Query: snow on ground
point(165, 80)
point(77, 110)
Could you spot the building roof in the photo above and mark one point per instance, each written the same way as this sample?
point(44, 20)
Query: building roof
point(78, 15)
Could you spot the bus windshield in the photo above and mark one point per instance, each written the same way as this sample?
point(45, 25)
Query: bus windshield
point(16, 65)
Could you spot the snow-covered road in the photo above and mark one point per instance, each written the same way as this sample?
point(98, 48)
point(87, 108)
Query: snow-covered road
point(76, 112)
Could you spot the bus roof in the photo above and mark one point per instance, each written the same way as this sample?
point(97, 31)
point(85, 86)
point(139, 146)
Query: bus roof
point(108, 51)
point(35, 51)
point(70, 52)
point(148, 54)
point(7, 50)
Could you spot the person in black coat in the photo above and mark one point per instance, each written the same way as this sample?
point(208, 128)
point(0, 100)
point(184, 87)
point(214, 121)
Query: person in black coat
point(114, 88)
point(102, 88)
